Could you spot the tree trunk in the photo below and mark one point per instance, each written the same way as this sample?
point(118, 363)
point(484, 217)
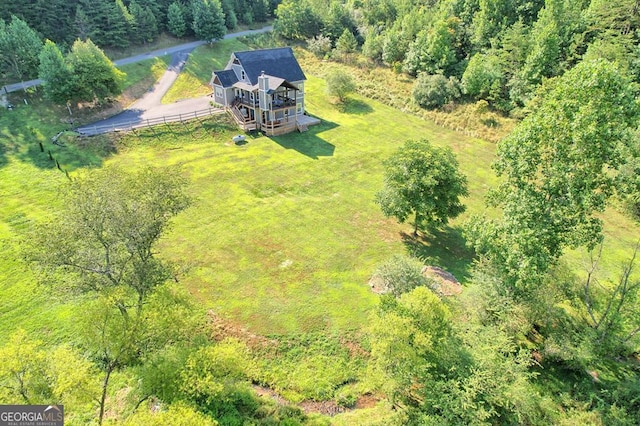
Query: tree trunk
point(415, 227)
point(103, 398)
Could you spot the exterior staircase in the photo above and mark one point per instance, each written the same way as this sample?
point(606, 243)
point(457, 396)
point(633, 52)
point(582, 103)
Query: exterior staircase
point(240, 119)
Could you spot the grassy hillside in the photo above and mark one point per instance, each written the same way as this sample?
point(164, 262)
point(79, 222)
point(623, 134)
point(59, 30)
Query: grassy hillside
point(283, 233)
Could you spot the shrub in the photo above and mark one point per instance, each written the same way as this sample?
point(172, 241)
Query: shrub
point(483, 78)
point(340, 84)
point(401, 274)
point(433, 91)
point(319, 45)
point(346, 398)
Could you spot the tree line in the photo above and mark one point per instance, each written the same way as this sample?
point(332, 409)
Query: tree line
point(120, 23)
point(496, 50)
point(112, 24)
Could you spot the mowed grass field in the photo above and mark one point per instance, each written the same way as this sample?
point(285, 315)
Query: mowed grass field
point(283, 233)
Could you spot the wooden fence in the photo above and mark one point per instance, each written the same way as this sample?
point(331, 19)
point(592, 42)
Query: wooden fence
point(147, 122)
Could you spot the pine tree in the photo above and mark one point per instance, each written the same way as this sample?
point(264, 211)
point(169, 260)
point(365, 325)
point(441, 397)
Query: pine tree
point(208, 20)
point(175, 20)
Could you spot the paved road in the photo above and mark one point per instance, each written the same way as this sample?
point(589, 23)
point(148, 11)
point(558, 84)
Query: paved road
point(186, 47)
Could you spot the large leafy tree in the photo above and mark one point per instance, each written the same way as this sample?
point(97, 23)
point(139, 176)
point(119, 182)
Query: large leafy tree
point(104, 245)
point(19, 49)
point(433, 371)
point(111, 223)
point(424, 181)
point(94, 75)
point(208, 20)
point(559, 169)
point(296, 20)
point(55, 73)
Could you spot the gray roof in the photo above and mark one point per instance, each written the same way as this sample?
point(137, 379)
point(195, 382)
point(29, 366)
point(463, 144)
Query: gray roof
point(227, 77)
point(278, 62)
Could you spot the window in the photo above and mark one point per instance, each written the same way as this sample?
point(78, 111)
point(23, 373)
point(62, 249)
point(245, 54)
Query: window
point(243, 75)
point(219, 92)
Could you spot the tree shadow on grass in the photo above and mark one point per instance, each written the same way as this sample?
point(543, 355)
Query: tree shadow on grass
point(355, 107)
point(27, 134)
point(442, 247)
point(308, 143)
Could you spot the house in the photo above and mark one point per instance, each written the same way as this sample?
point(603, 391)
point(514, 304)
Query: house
point(263, 90)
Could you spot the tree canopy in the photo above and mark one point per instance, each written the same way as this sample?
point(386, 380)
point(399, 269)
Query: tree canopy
point(559, 167)
point(19, 49)
point(424, 181)
point(94, 75)
point(208, 20)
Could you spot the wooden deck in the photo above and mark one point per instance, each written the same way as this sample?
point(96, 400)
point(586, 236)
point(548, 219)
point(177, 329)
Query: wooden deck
point(292, 123)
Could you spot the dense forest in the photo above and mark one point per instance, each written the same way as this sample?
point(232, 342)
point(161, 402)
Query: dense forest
point(536, 337)
point(495, 50)
point(121, 23)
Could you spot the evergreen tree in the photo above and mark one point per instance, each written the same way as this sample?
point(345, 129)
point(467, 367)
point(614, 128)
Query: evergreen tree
point(145, 23)
point(347, 43)
point(175, 20)
point(82, 24)
point(259, 10)
point(230, 18)
point(19, 49)
point(208, 20)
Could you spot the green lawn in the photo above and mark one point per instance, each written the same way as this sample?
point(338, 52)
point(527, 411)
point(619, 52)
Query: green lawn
point(194, 80)
point(283, 234)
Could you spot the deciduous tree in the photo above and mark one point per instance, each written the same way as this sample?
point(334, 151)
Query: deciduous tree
point(296, 20)
point(559, 167)
point(340, 84)
point(104, 245)
point(424, 181)
point(95, 77)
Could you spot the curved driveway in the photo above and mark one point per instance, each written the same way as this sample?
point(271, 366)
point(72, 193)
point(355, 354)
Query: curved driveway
point(149, 106)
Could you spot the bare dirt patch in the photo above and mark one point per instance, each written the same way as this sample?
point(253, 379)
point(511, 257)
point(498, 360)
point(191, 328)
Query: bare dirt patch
point(445, 283)
point(221, 328)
